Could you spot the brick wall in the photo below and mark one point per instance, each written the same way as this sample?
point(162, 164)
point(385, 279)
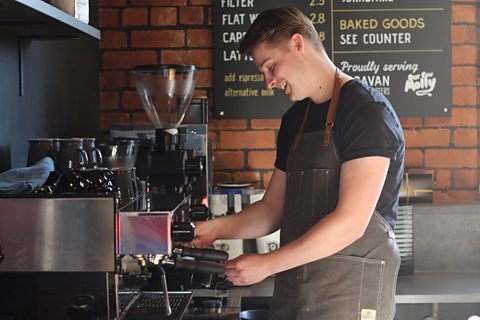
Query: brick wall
point(138, 32)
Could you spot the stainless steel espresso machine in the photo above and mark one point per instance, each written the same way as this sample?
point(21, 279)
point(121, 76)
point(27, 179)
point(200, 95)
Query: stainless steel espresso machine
point(155, 266)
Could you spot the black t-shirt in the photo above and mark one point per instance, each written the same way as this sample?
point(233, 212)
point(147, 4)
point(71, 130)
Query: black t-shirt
point(365, 125)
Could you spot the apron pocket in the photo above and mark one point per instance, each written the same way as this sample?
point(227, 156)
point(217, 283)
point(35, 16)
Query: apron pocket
point(341, 287)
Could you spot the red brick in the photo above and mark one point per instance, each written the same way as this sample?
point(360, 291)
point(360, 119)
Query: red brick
point(158, 39)
point(109, 100)
point(219, 177)
point(131, 101)
point(227, 124)
point(411, 122)
point(197, 38)
point(443, 179)
point(201, 2)
point(113, 40)
point(455, 196)
point(205, 78)
point(264, 139)
point(464, 76)
point(228, 160)
point(465, 137)
point(261, 159)
point(159, 3)
point(465, 178)
point(451, 158)
point(135, 17)
point(413, 158)
point(127, 59)
point(427, 138)
point(191, 15)
point(247, 176)
point(107, 119)
point(112, 79)
point(112, 3)
point(460, 117)
point(213, 139)
point(464, 13)
point(210, 16)
point(140, 117)
point(464, 54)
point(464, 34)
point(108, 18)
point(163, 17)
point(200, 58)
point(265, 123)
point(413, 171)
point(267, 176)
point(200, 93)
point(465, 96)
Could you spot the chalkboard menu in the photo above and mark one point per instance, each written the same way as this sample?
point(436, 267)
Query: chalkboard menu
point(400, 47)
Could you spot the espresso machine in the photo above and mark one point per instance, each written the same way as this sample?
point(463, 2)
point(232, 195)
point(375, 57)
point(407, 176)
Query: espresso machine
point(156, 266)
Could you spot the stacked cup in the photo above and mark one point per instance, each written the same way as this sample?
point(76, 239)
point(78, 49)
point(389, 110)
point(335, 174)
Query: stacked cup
point(67, 154)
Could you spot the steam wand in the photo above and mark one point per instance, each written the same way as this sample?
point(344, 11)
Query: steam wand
point(163, 280)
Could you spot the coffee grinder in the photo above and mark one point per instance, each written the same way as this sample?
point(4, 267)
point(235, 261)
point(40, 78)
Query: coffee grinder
point(175, 164)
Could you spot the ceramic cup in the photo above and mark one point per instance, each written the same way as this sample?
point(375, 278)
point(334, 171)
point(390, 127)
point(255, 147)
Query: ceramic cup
point(39, 148)
point(71, 155)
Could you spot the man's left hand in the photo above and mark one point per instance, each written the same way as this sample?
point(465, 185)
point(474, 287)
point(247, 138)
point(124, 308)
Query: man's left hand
point(247, 269)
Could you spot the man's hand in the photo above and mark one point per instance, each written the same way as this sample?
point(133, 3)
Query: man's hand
point(204, 234)
point(247, 269)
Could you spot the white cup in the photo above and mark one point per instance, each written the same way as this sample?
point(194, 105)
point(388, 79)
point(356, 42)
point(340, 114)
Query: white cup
point(234, 247)
point(269, 242)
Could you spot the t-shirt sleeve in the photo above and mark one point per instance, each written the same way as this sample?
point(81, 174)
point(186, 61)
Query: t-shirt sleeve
point(371, 130)
point(283, 143)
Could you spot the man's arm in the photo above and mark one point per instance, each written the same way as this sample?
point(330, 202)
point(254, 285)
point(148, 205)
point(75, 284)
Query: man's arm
point(361, 182)
point(258, 219)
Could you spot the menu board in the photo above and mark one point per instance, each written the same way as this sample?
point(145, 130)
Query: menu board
point(399, 47)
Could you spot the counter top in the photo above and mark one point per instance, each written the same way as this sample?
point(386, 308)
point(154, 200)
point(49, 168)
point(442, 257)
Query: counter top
point(441, 287)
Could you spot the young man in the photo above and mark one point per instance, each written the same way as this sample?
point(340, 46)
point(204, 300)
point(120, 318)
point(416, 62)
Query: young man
point(334, 192)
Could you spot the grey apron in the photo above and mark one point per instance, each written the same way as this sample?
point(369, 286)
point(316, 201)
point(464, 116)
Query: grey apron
point(357, 283)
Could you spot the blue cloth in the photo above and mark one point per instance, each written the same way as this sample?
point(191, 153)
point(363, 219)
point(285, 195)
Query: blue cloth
point(27, 179)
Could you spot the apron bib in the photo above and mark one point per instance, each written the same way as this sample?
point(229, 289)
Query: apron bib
point(357, 283)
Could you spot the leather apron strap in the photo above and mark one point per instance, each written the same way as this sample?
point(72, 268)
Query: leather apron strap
point(332, 111)
point(332, 108)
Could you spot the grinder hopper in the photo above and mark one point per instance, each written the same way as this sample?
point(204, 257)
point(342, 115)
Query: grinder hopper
point(166, 92)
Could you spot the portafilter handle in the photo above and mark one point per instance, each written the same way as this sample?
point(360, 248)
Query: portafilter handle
point(204, 254)
point(196, 266)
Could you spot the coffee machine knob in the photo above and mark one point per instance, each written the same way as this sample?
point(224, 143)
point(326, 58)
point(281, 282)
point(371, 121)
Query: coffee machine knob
point(183, 232)
point(198, 212)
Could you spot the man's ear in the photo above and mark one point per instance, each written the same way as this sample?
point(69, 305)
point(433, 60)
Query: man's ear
point(298, 43)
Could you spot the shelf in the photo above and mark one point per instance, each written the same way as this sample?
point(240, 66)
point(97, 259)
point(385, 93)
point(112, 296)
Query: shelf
point(38, 19)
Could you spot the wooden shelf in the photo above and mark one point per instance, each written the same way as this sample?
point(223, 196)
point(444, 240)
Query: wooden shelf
point(38, 19)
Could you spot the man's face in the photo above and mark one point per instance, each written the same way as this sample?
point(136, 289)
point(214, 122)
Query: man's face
point(279, 65)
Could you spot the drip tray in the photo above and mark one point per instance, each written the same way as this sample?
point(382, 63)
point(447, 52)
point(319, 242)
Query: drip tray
point(151, 305)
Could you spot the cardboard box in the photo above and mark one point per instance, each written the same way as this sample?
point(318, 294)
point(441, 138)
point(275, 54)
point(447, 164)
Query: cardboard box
point(77, 8)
